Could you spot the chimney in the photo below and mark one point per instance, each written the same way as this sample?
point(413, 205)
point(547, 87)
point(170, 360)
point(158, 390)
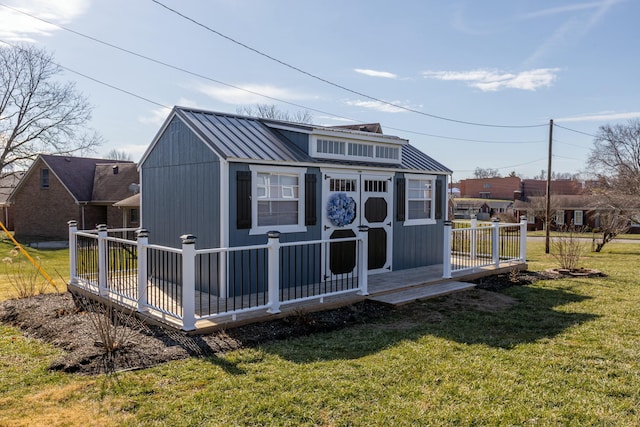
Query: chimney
point(115, 170)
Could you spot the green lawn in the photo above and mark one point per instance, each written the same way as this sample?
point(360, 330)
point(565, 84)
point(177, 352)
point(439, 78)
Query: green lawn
point(567, 354)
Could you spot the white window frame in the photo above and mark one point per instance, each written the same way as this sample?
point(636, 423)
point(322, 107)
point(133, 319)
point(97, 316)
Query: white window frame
point(559, 217)
point(578, 214)
point(420, 221)
point(276, 170)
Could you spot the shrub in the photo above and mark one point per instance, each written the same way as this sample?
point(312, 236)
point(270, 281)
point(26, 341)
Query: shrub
point(567, 248)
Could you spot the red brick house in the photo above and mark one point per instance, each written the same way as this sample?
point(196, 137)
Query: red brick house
point(8, 181)
point(57, 189)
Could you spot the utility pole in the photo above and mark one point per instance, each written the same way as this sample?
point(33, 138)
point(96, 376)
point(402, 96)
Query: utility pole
point(548, 198)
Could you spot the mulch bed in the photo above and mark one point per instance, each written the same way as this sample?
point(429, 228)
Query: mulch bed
point(62, 321)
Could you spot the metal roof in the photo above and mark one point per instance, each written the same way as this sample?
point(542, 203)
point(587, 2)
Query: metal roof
point(236, 137)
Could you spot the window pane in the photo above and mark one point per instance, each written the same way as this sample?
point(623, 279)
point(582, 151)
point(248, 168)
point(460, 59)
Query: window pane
point(277, 213)
point(419, 199)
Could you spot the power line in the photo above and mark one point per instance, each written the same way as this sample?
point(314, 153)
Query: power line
point(573, 130)
point(177, 68)
point(97, 80)
point(314, 76)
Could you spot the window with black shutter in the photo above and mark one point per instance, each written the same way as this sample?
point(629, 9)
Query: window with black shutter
point(310, 199)
point(243, 200)
point(400, 199)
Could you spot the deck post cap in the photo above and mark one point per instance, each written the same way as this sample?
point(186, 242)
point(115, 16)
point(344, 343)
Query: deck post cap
point(273, 234)
point(188, 239)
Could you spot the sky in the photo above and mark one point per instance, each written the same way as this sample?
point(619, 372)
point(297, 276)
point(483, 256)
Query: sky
point(472, 84)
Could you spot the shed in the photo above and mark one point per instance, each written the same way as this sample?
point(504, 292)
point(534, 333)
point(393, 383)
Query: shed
point(231, 179)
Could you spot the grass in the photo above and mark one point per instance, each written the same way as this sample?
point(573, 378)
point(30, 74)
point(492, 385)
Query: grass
point(542, 233)
point(54, 262)
point(567, 354)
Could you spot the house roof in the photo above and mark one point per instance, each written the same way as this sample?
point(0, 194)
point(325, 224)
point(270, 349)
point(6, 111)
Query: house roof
point(567, 201)
point(111, 181)
point(235, 137)
point(129, 202)
point(8, 182)
point(76, 174)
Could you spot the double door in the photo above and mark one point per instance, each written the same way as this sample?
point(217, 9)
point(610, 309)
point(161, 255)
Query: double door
point(351, 200)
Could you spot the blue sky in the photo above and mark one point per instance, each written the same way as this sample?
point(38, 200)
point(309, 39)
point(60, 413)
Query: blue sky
point(505, 63)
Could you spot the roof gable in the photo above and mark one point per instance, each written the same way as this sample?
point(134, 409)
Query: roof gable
point(111, 181)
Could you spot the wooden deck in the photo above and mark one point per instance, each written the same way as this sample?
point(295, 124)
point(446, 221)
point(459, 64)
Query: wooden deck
point(393, 288)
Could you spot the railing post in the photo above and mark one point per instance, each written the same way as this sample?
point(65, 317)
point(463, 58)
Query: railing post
point(73, 251)
point(274, 271)
point(103, 289)
point(473, 244)
point(523, 238)
point(363, 261)
point(142, 237)
point(495, 241)
point(188, 282)
point(446, 251)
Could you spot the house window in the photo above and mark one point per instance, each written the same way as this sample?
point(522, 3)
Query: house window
point(420, 203)
point(277, 199)
point(383, 152)
point(134, 216)
point(578, 217)
point(531, 218)
point(560, 217)
point(485, 195)
point(44, 178)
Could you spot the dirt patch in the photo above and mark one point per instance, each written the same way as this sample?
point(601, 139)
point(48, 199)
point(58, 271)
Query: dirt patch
point(58, 320)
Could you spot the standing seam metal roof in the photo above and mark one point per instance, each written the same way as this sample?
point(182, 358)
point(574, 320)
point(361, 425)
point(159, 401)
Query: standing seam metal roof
point(238, 137)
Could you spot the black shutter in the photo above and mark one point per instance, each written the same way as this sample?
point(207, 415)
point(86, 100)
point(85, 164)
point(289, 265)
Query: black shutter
point(439, 200)
point(310, 199)
point(400, 199)
point(243, 199)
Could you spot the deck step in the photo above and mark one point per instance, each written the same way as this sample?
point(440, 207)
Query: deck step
point(422, 292)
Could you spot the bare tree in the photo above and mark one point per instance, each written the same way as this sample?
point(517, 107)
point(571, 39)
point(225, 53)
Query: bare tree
point(118, 155)
point(271, 111)
point(486, 173)
point(38, 114)
point(615, 161)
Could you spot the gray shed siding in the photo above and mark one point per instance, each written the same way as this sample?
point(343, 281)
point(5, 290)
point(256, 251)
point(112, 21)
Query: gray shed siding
point(418, 245)
point(300, 140)
point(181, 189)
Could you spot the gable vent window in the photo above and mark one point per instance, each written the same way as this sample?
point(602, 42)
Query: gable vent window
point(44, 178)
point(387, 152)
point(360, 150)
point(330, 146)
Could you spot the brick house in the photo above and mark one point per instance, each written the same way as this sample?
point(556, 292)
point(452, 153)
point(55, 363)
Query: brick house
point(8, 181)
point(57, 189)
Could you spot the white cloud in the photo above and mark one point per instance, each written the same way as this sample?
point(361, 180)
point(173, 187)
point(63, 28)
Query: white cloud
point(493, 80)
point(379, 106)
point(18, 27)
point(601, 117)
point(374, 73)
point(249, 94)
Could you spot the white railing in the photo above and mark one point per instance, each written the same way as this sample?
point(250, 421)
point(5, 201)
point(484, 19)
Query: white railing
point(187, 285)
point(478, 246)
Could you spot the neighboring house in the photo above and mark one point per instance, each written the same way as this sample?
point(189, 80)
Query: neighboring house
point(514, 188)
point(565, 210)
point(57, 189)
point(8, 181)
point(229, 180)
point(130, 208)
point(482, 209)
